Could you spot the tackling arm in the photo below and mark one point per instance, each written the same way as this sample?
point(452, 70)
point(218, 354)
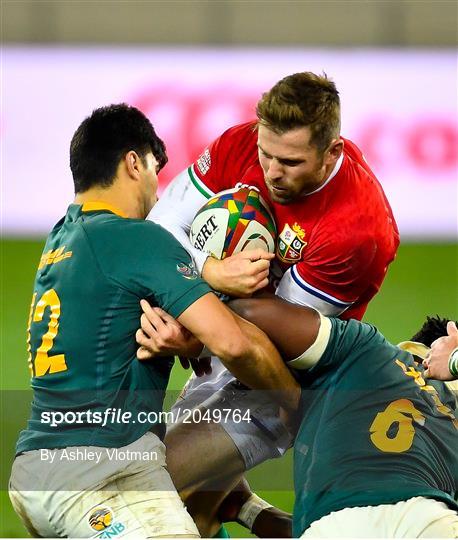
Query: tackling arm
point(244, 349)
point(300, 333)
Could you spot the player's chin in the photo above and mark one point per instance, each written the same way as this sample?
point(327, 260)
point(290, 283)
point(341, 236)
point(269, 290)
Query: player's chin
point(280, 197)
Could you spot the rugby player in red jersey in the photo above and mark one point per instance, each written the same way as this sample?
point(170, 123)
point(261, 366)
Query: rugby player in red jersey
point(336, 237)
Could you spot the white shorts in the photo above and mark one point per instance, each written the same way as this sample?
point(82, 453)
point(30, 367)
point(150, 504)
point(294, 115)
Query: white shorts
point(264, 437)
point(418, 517)
point(95, 492)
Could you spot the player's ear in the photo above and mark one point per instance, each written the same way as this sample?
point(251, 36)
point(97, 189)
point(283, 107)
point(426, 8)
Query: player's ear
point(132, 162)
point(334, 151)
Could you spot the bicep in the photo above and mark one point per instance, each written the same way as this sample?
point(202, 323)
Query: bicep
point(293, 329)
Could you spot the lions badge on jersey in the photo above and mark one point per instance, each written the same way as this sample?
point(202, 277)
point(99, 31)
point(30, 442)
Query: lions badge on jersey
point(291, 243)
point(101, 520)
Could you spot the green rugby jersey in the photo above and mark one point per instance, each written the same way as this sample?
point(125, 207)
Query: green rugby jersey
point(373, 431)
point(95, 268)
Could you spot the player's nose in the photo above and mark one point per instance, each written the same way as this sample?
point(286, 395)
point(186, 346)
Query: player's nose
point(275, 170)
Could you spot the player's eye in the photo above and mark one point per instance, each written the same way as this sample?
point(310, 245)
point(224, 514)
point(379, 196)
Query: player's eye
point(290, 162)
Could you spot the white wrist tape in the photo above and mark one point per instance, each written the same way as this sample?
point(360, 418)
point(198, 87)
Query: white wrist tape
point(453, 362)
point(311, 356)
point(251, 509)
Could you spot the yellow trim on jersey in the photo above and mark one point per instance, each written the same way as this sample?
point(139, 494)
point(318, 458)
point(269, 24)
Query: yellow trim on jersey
point(414, 347)
point(92, 206)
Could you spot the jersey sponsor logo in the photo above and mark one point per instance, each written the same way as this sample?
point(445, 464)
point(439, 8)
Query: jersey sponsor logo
point(204, 162)
point(101, 519)
point(188, 271)
point(291, 243)
point(54, 256)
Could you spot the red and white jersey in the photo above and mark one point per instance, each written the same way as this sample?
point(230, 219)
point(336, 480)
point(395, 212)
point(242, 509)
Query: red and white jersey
point(334, 245)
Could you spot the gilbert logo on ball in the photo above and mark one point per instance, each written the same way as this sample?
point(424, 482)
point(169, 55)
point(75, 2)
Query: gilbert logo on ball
point(234, 220)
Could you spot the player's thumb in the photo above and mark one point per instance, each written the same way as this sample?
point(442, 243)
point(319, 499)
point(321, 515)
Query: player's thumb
point(452, 330)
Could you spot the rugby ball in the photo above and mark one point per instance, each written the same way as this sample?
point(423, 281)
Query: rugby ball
point(234, 220)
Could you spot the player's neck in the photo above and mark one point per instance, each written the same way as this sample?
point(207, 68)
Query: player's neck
point(328, 173)
point(113, 197)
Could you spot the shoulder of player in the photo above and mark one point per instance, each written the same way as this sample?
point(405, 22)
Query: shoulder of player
point(356, 206)
point(241, 134)
point(226, 159)
point(126, 233)
point(340, 234)
point(351, 338)
point(355, 169)
point(246, 129)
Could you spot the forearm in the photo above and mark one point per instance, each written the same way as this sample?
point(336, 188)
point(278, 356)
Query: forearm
point(244, 349)
point(262, 368)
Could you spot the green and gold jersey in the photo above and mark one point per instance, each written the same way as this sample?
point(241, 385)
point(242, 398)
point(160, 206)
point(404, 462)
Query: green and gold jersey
point(373, 430)
point(95, 269)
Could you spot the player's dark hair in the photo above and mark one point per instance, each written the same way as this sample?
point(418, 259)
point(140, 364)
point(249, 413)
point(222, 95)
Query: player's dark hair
point(432, 329)
point(104, 138)
point(303, 100)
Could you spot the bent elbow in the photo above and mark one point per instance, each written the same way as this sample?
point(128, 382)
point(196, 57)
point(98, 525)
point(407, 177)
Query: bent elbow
point(234, 351)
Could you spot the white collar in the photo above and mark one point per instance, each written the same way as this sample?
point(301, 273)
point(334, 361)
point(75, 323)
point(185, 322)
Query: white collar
point(331, 176)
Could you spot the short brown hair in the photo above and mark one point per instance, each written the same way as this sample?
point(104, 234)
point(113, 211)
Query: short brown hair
point(303, 100)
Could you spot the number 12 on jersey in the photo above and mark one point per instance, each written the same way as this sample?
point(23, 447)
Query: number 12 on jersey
point(43, 363)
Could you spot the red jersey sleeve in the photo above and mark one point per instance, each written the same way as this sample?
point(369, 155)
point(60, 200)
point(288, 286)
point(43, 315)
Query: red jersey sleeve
point(226, 160)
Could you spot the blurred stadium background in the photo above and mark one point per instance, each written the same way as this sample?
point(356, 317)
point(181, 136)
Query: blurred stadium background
point(195, 68)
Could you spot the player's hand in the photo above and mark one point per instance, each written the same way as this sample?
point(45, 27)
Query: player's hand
point(161, 335)
point(200, 366)
point(239, 275)
point(436, 362)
